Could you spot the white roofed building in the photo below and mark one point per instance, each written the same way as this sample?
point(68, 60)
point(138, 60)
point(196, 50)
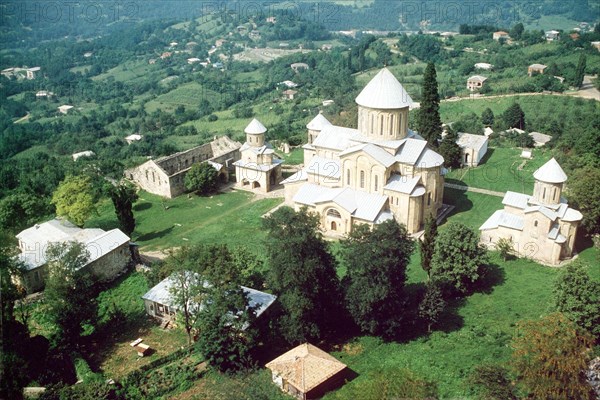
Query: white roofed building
point(542, 227)
point(257, 168)
point(379, 171)
point(473, 147)
point(109, 251)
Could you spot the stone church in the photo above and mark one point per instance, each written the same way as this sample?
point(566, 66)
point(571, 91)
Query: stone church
point(257, 168)
point(381, 170)
point(543, 227)
point(166, 176)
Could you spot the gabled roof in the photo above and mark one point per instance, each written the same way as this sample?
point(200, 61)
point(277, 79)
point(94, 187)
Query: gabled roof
point(375, 152)
point(551, 172)
point(336, 137)
point(305, 367)
point(402, 184)
point(255, 127)
point(384, 92)
point(161, 294)
point(478, 78)
point(300, 176)
point(551, 215)
point(471, 141)
point(410, 151)
point(538, 66)
point(318, 123)
point(503, 218)
point(514, 199)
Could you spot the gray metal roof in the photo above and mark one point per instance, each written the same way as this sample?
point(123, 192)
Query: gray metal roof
point(384, 92)
point(375, 152)
point(300, 176)
point(551, 172)
point(162, 294)
point(503, 218)
point(548, 213)
point(572, 215)
point(255, 127)
point(336, 137)
point(402, 184)
point(258, 167)
point(429, 159)
point(318, 123)
point(470, 141)
point(410, 151)
point(514, 199)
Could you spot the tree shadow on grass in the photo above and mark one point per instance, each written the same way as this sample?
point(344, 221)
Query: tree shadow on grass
point(458, 199)
point(146, 205)
point(154, 235)
point(492, 275)
point(487, 156)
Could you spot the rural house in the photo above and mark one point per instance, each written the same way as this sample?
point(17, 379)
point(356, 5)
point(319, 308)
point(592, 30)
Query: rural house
point(109, 252)
point(380, 171)
point(307, 372)
point(473, 148)
point(166, 176)
point(500, 35)
point(552, 35)
point(476, 82)
point(536, 69)
point(160, 304)
point(543, 226)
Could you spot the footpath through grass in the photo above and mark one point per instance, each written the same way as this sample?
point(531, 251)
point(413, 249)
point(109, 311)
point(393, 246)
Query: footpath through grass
point(232, 218)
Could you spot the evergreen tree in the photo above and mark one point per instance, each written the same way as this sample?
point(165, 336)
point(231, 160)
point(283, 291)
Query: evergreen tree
point(517, 31)
point(514, 117)
point(487, 117)
point(302, 274)
point(376, 261)
point(427, 245)
point(432, 305)
point(580, 72)
point(450, 150)
point(428, 119)
point(123, 196)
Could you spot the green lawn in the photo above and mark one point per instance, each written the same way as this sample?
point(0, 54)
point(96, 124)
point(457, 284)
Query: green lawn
point(503, 169)
point(295, 157)
point(471, 209)
point(231, 218)
point(188, 95)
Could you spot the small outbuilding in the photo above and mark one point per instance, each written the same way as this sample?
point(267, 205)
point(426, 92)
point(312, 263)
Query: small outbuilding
point(500, 35)
point(540, 139)
point(64, 109)
point(485, 66)
point(476, 82)
point(307, 372)
point(290, 94)
point(77, 156)
point(299, 66)
point(473, 147)
point(536, 69)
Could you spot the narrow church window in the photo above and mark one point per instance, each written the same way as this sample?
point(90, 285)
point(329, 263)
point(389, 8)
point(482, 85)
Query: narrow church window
point(535, 223)
point(348, 177)
point(362, 179)
point(391, 124)
point(429, 198)
point(376, 183)
point(381, 126)
point(554, 194)
point(544, 194)
point(372, 122)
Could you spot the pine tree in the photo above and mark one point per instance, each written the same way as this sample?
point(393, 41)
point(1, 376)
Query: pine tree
point(580, 72)
point(432, 305)
point(514, 117)
point(450, 150)
point(428, 244)
point(428, 121)
point(123, 196)
point(487, 117)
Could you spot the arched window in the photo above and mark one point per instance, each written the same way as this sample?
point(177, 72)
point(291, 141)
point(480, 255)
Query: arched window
point(348, 177)
point(376, 182)
point(535, 224)
point(429, 198)
point(392, 123)
point(362, 179)
point(554, 194)
point(332, 212)
point(381, 125)
point(372, 122)
point(544, 194)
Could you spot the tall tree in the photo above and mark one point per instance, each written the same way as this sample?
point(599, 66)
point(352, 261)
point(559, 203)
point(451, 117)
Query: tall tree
point(458, 257)
point(577, 296)
point(550, 357)
point(302, 274)
point(487, 117)
point(75, 199)
point(580, 71)
point(123, 196)
point(428, 120)
point(514, 117)
point(69, 292)
point(376, 262)
point(427, 245)
point(450, 150)
point(517, 31)
point(202, 178)
point(432, 305)
point(582, 192)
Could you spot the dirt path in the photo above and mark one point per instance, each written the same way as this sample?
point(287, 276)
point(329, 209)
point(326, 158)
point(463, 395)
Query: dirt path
point(587, 91)
point(22, 119)
point(472, 189)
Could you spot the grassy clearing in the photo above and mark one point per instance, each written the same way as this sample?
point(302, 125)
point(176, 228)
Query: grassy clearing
point(502, 170)
point(471, 209)
point(129, 71)
point(295, 157)
point(188, 95)
point(232, 218)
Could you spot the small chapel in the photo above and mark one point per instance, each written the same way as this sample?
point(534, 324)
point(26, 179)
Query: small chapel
point(542, 227)
point(379, 171)
point(257, 167)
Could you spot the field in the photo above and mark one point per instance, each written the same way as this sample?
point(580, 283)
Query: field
point(188, 95)
point(503, 169)
point(232, 218)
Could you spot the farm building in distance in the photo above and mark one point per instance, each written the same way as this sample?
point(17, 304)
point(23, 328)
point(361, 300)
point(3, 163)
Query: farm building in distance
point(307, 372)
point(166, 176)
point(380, 171)
point(473, 148)
point(543, 226)
point(109, 252)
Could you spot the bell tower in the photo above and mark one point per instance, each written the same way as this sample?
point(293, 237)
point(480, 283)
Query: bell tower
point(549, 181)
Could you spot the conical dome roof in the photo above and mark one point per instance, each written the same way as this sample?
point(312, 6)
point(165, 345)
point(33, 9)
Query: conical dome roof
point(318, 123)
point(384, 92)
point(551, 172)
point(255, 128)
